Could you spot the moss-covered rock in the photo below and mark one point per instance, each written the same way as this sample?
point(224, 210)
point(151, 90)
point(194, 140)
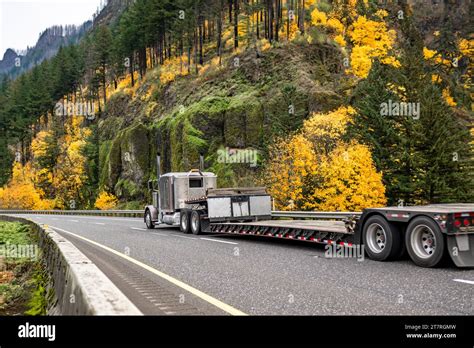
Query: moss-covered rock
point(125, 161)
point(117, 105)
point(134, 146)
point(110, 127)
point(181, 136)
point(114, 164)
point(104, 159)
point(129, 190)
point(324, 100)
point(244, 120)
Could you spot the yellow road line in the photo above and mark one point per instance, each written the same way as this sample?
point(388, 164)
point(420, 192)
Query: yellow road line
point(215, 302)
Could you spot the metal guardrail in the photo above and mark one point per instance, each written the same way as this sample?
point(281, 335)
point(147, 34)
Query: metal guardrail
point(139, 213)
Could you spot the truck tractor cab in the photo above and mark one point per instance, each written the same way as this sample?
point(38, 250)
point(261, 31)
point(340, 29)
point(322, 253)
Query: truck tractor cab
point(192, 201)
point(171, 192)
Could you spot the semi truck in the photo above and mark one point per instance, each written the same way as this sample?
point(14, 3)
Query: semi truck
point(192, 201)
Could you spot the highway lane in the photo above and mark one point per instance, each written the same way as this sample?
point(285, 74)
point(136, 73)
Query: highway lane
point(262, 276)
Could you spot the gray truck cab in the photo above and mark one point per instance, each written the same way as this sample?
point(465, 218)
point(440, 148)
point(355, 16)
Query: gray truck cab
point(172, 192)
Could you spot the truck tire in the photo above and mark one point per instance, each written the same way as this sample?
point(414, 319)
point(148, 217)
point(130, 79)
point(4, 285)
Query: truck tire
point(382, 239)
point(425, 242)
point(196, 221)
point(184, 221)
point(149, 221)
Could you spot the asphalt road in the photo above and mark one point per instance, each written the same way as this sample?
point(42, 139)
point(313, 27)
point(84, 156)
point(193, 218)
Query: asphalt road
point(166, 272)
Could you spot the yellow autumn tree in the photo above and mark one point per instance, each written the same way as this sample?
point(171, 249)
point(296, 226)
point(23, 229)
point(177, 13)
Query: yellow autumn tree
point(365, 39)
point(325, 130)
point(106, 201)
point(316, 169)
point(292, 165)
point(20, 193)
point(318, 17)
point(55, 175)
point(371, 39)
point(448, 98)
point(445, 67)
point(350, 181)
point(69, 173)
point(43, 159)
point(39, 145)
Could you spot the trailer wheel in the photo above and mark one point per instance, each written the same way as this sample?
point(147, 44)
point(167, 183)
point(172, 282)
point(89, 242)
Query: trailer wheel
point(382, 239)
point(149, 221)
point(425, 242)
point(184, 221)
point(196, 221)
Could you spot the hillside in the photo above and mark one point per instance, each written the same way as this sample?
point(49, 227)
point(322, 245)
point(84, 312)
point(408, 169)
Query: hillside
point(236, 107)
point(111, 12)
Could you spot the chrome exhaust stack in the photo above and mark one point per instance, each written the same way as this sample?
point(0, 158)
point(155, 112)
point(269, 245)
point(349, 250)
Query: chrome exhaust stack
point(201, 163)
point(158, 166)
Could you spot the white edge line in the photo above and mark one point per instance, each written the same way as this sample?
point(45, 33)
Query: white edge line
point(160, 234)
point(219, 241)
point(138, 229)
point(464, 281)
point(182, 237)
point(217, 303)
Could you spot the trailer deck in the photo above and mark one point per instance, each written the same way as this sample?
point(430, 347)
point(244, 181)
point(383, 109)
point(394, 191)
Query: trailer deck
point(311, 225)
point(324, 232)
point(433, 208)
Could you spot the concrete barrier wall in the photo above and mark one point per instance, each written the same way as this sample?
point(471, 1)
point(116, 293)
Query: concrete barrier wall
point(80, 287)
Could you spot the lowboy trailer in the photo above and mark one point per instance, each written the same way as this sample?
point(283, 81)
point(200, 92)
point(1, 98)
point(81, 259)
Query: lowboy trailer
point(193, 202)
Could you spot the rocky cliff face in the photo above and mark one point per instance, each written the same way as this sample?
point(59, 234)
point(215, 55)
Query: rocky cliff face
point(8, 61)
point(53, 38)
point(46, 47)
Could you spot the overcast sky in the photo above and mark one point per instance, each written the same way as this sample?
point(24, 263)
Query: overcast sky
point(21, 21)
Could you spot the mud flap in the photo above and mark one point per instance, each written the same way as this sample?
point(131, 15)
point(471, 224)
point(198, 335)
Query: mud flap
point(461, 249)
